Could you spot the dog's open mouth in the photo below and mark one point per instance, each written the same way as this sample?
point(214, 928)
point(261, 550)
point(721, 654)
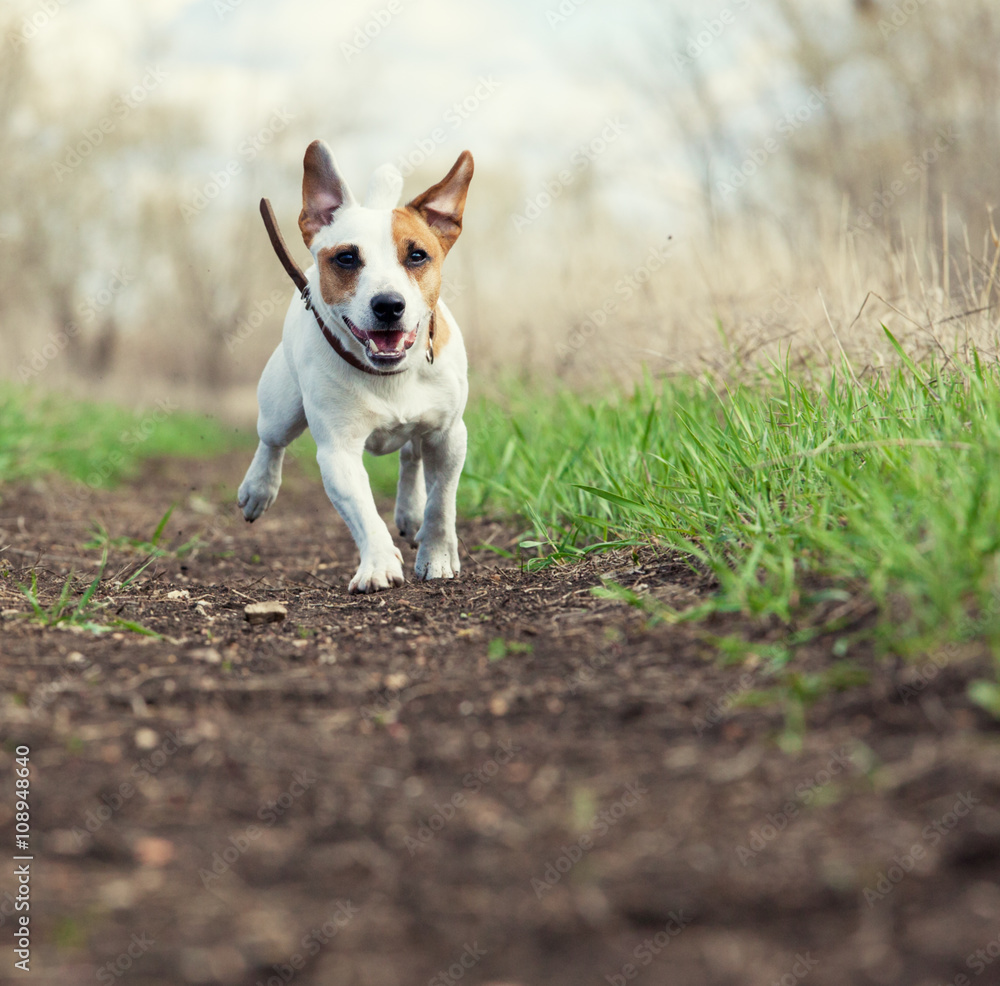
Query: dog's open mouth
point(383, 346)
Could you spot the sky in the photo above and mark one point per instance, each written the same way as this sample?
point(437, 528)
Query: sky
point(534, 88)
point(523, 84)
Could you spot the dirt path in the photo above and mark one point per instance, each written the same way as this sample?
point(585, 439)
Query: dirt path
point(502, 779)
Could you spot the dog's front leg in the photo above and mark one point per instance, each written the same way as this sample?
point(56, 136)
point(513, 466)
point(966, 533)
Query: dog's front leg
point(444, 456)
point(347, 486)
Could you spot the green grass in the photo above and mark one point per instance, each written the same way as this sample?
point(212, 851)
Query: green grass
point(102, 539)
point(793, 493)
point(98, 444)
point(85, 612)
point(790, 493)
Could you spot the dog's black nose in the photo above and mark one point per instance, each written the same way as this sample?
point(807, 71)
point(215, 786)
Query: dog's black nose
point(388, 306)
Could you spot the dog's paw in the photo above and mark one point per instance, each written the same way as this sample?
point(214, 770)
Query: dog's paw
point(409, 514)
point(254, 497)
point(438, 559)
point(379, 570)
point(409, 525)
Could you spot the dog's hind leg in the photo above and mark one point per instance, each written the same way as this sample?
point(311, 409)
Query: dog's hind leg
point(280, 421)
point(437, 557)
point(411, 493)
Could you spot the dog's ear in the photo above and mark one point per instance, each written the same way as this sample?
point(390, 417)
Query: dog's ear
point(323, 190)
point(442, 204)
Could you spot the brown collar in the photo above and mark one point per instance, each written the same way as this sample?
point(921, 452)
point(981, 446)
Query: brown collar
point(299, 279)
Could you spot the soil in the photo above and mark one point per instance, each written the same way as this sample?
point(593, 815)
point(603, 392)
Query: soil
point(500, 779)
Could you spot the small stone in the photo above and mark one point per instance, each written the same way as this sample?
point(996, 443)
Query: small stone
point(154, 852)
point(146, 739)
point(413, 787)
point(272, 612)
point(208, 654)
point(117, 894)
point(207, 729)
point(65, 842)
point(179, 594)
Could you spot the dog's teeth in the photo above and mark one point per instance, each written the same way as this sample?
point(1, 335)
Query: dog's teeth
point(371, 347)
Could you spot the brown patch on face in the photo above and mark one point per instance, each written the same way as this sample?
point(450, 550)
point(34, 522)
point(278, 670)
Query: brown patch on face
point(410, 232)
point(337, 284)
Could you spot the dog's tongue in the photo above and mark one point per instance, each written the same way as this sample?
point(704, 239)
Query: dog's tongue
point(392, 342)
point(386, 342)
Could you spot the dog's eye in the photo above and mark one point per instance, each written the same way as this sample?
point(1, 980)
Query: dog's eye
point(417, 257)
point(346, 258)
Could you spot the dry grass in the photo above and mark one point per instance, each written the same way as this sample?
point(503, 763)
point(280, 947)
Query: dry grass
point(802, 262)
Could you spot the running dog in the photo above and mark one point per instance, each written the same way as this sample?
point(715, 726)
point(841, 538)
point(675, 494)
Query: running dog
point(371, 359)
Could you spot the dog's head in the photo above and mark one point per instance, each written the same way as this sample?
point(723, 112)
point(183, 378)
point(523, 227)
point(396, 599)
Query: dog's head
point(380, 266)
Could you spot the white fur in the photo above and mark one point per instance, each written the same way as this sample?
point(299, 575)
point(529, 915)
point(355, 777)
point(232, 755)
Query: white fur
point(418, 412)
point(384, 188)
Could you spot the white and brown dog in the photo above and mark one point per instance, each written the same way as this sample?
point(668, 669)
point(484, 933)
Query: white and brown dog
point(371, 358)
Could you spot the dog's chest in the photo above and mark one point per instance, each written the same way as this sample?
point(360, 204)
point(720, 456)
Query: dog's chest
point(394, 424)
point(382, 441)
